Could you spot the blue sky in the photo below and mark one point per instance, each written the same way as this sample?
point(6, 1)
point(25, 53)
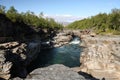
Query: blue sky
point(63, 8)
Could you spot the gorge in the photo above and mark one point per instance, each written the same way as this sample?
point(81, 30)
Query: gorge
point(48, 52)
point(96, 55)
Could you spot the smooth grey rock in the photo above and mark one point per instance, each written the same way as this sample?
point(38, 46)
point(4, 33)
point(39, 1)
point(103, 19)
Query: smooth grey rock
point(55, 72)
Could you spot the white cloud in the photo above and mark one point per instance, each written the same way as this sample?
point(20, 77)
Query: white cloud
point(63, 18)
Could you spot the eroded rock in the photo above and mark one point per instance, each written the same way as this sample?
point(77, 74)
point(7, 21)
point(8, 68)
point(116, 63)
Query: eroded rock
point(101, 57)
point(15, 56)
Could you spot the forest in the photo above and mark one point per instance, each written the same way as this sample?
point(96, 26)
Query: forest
point(30, 18)
point(101, 23)
point(16, 25)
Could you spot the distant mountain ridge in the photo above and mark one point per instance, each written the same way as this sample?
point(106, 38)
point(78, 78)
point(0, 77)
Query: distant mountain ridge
point(65, 23)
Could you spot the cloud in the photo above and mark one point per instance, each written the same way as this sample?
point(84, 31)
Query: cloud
point(63, 18)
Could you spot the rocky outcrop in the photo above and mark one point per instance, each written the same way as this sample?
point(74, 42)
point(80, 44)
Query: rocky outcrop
point(101, 57)
point(61, 39)
point(15, 56)
point(55, 72)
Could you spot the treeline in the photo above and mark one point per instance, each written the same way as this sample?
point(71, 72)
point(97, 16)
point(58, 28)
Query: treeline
point(26, 26)
point(30, 18)
point(101, 23)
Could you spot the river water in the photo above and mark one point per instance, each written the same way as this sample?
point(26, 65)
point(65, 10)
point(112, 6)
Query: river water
point(67, 55)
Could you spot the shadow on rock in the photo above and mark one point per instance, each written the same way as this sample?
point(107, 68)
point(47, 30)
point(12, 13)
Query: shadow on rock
point(19, 67)
point(41, 61)
point(87, 76)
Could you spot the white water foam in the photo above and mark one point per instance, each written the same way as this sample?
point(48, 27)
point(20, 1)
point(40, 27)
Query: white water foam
point(74, 42)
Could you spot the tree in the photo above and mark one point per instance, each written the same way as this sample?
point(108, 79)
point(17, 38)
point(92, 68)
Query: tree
point(115, 19)
point(41, 14)
point(2, 9)
point(101, 22)
point(29, 18)
point(12, 14)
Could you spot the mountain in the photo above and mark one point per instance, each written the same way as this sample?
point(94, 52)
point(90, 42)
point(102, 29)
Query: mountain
point(64, 23)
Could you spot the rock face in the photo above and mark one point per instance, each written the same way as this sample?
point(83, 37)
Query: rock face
point(12, 31)
point(15, 56)
point(101, 57)
point(55, 72)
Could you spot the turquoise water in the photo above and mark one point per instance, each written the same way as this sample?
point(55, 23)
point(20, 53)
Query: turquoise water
point(67, 55)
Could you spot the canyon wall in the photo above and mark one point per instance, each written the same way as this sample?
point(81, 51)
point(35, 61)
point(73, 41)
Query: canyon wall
point(101, 56)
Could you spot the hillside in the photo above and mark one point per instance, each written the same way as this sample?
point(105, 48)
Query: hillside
point(101, 23)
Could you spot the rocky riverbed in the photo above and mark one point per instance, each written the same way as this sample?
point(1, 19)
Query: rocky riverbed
point(101, 57)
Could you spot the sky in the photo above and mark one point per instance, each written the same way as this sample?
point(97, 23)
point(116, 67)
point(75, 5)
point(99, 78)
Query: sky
point(64, 10)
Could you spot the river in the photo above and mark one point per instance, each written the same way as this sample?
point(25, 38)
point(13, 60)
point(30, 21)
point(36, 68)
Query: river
point(67, 55)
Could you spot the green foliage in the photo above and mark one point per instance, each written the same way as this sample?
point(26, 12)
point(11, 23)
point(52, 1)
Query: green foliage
point(30, 18)
point(2, 9)
point(12, 14)
point(100, 23)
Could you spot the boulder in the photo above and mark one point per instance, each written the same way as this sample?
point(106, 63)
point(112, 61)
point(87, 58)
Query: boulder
point(55, 72)
point(61, 39)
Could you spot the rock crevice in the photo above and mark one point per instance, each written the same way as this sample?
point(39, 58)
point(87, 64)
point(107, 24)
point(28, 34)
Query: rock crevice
point(15, 57)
